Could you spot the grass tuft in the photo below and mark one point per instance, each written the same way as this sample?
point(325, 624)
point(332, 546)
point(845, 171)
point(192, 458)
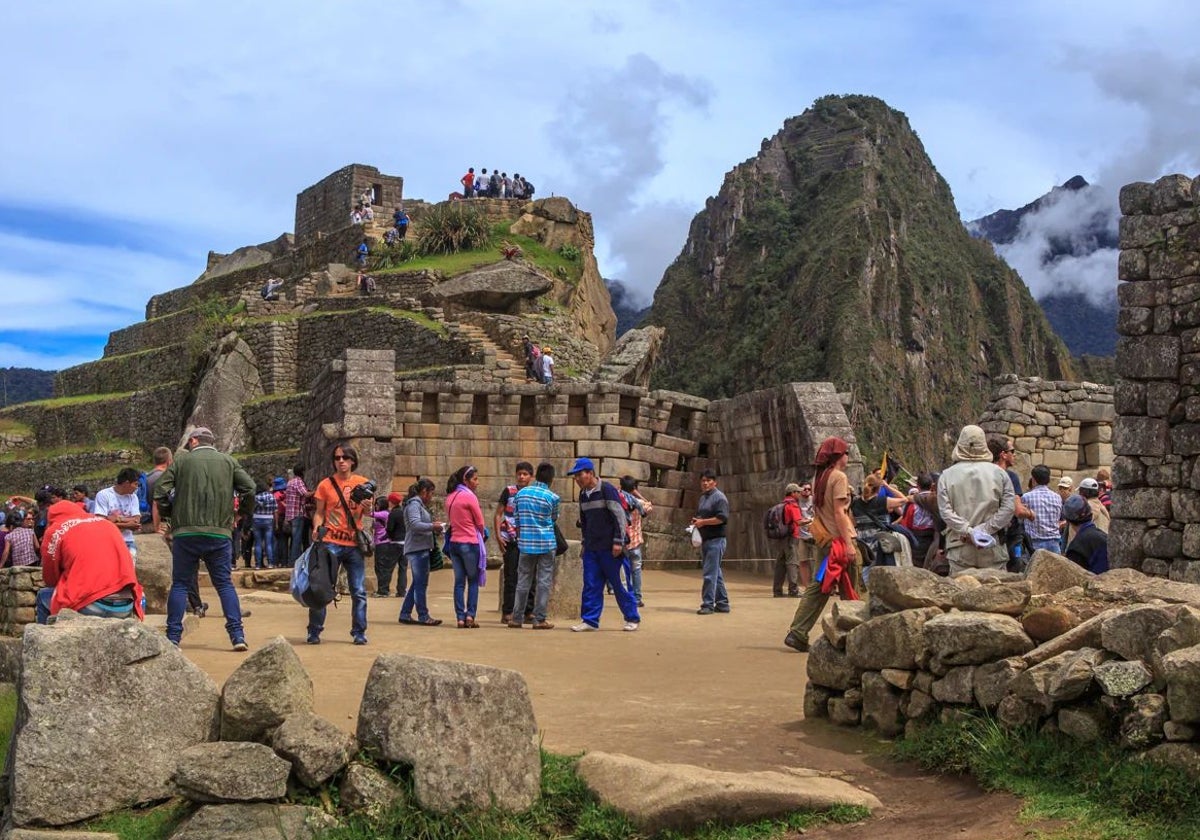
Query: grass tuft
point(1103, 790)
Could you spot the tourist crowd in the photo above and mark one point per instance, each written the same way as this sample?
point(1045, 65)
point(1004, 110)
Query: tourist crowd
point(494, 185)
point(974, 514)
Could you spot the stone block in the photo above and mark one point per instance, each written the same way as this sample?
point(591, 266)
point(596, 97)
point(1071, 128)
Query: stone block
point(1171, 192)
point(1139, 232)
point(1135, 198)
point(677, 444)
point(617, 467)
point(1064, 460)
point(575, 433)
point(1140, 436)
point(655, 456)
point(1185, 506)
point(627, 434)
point(1142, 503)
point(1132, 265)
point(1148, 357)
point(602, 448)
point(1129, 397)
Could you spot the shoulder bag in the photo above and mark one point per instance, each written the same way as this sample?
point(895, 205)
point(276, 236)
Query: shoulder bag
point(365, 543)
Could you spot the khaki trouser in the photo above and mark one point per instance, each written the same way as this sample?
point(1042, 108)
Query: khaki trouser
point(813, 601)
point(787, 565)
point(964, 557)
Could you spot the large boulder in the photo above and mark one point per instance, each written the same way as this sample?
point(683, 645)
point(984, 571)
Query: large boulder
point(230, 381)
point(1086, 634)
point(1184, 633)
point(1086, 723)
point(681, 797)
point(231, 771)
point(1131, 586)
point(494, 288)
point(269, 686)
point(315, 747)
point(154, 574)
point(894, 640)
point(1049, 573)
point(1122, 679)
point(1058, 680)
point(105, 708)
point(957, 686)
point(632, 358)
point(1131, 634)
point(262, 821)
point(1181, 669)
point(467, 730)
point(830, 667)
point(908, 587)
point(974, 638)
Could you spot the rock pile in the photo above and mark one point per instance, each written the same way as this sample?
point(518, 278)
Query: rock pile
point(1114, 656)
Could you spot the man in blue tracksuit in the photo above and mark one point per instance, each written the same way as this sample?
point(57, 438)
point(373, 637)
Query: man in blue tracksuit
point(602, 519)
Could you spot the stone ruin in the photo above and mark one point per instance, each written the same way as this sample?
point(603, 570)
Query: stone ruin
point(1065, 425)
point(111, 715)
point(1113, 657)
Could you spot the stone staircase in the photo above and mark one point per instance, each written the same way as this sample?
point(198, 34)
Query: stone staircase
point(504, 365)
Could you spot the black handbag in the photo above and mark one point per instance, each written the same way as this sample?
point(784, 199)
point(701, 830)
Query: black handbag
point(560, 542)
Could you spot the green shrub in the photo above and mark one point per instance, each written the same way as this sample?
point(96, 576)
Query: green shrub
point(393, 256)
point(568, 252)
point(450, 228)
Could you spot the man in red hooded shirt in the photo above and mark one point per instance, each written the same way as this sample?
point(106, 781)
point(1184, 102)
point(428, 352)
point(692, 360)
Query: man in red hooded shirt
point(86, 566)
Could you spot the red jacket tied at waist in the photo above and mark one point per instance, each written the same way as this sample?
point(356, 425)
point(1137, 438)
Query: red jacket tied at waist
point(837, 570)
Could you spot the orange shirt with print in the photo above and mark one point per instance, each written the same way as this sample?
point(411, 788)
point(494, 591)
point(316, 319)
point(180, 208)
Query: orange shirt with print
point(338, 530)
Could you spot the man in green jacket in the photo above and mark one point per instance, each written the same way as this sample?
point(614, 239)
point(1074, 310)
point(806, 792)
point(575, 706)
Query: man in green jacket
point(198, 489)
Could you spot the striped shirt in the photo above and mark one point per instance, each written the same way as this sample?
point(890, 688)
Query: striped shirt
point(1047, 510)
point(536, 511)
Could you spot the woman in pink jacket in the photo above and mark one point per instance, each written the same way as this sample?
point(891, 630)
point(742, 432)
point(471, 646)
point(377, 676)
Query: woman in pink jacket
point(467, 542)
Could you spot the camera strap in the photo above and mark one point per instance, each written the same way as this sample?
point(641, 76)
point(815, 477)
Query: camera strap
point(351, 521)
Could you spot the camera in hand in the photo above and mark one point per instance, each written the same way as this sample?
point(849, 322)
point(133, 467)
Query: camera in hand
point(362, 492)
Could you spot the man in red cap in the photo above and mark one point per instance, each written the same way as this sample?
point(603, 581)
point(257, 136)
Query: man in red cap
point(389, 548)
point(86, 566)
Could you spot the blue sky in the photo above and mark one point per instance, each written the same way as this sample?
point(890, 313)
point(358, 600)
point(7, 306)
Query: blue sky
point(140, 136)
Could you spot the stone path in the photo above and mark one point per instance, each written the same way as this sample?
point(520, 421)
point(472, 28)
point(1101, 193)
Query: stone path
point(719, 691)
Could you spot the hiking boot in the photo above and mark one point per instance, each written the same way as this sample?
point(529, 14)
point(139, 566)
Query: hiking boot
point(543, 625)
point(360, 639)
point(313, 640)
point(240, 645)
point(796, 642)
point(584, 627)
point(705, 611)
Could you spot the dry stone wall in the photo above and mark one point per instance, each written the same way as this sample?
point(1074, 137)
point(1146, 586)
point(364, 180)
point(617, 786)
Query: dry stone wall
point(276, 423)
point(1065, 425)
point(156, 332)
point(1156, 439)
point(153, 415)
point(117, 374)
point(1113, 657)
point(664, 439)
point(18, 593)
point(93, 469)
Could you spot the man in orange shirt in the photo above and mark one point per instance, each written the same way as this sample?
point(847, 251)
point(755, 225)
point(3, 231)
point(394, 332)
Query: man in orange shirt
point(335, 497)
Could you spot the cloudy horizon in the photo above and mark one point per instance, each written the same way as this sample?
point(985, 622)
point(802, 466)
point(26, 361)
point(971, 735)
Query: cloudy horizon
point(151, 135)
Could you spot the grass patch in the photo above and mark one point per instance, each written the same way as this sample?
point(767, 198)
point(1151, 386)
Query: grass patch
point(8, 714)
point(1102, 790)
point(82, 399)
point(44, 453)
point(156, 823)
point(15, 427)
point(566, 810)
point(416, 317)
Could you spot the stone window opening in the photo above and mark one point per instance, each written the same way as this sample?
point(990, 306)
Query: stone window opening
point(376, 194)
point(657, 477)
point(429, 408)
point(577, 411)
point(1089, 446)
point(479, 410)
point(678, 422)
point(528, 411)
point(628, 411)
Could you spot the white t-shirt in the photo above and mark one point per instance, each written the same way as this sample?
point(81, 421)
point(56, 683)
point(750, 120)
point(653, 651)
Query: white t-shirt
point(109, 501)
point(547, 365)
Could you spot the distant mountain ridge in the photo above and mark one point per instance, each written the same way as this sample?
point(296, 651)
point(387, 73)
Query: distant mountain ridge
point(628, 313)
point(1085, 320)
point(18, 385)
point(836, 254)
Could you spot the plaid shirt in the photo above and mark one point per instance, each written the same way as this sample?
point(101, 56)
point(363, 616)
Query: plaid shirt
point(1047, 510)
point(264, 505)
point(537, 511)
point(293, 498)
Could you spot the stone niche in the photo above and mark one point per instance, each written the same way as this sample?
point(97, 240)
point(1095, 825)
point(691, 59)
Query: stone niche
point(1068, 426)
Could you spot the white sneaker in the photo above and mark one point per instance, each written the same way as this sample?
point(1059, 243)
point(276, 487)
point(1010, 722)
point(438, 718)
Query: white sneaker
point(584, 627)
point(631, 626)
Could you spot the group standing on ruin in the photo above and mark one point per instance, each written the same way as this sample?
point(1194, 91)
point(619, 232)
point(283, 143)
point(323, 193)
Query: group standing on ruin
point(495, 185)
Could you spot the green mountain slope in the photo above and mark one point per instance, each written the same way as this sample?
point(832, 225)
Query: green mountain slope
point(837, 254)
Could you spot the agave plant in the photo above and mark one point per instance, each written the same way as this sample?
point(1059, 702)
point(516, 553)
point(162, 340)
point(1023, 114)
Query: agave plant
point(450, 228)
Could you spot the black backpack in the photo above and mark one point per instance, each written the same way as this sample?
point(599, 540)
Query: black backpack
point(775, 523)
point(321, 589)
point(396, 526)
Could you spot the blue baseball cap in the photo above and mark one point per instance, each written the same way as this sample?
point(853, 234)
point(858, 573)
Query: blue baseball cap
point(280, 483)
point(582, 465)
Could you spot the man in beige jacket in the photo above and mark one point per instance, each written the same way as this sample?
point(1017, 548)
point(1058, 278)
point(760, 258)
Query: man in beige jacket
point(976, 501)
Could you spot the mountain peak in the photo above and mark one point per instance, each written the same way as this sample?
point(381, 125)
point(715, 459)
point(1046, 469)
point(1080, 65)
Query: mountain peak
point(1076, 183)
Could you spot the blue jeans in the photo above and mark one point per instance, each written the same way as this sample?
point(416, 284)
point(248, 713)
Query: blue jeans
point(217, 554)
point(465, 559)
point(1050, 545)
point(298, 526)
point(418, 564)
point(712, 592)
point(634, 571)
point(351, 558)
point(41, 608)
point(600, 567)
point(264, 542)
point(529, 567)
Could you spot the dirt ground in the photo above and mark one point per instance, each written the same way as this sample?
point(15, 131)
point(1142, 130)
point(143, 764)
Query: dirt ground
point(719, 691)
